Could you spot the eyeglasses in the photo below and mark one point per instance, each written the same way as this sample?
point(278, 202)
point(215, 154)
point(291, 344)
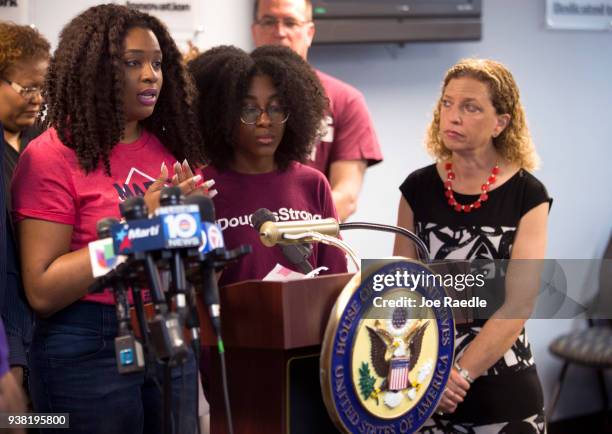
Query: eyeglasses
point(25, 92)
point(269, 23)
point(250, 114)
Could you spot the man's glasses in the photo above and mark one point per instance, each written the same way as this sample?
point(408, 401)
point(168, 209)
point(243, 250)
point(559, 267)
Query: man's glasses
point(269, 23)
point(250, 114)
point(25, 92)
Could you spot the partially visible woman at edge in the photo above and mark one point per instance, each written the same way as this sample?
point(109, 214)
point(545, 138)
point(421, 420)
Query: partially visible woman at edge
point(119, 117)
point(479, 201)
point(24, 59)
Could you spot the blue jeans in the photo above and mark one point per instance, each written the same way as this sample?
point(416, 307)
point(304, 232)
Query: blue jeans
point(73, 370)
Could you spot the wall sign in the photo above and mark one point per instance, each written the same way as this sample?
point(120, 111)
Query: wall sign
point(179, 16)
point(579, 14)
point(14, 10)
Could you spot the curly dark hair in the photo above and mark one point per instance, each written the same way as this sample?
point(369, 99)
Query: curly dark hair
point(19, 43)
point(90, 118)
point(223, 75)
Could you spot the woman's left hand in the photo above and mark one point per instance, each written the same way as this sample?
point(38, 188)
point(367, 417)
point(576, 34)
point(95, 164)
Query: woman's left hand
point(454, 393)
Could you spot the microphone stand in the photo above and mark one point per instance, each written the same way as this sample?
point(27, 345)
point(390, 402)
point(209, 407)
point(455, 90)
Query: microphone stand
point(422, 250)
point(326, 239)
point(193, 324)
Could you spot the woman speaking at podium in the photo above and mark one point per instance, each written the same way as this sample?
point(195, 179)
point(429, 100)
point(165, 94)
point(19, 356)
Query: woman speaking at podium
point(118, 109)
point(479, 201)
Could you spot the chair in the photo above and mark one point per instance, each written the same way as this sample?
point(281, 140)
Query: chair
point(591, 347)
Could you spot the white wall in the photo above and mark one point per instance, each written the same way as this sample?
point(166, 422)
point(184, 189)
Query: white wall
point(227, 22)
point(565, 83)
point(215, 21)
point(564, 78)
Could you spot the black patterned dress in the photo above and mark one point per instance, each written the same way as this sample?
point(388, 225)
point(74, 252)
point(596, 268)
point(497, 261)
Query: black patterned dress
point(507, 398)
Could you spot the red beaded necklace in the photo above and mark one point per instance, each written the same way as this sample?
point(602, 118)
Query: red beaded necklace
point(450, 175)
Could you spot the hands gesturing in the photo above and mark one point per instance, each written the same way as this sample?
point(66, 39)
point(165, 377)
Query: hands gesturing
point(183, 178)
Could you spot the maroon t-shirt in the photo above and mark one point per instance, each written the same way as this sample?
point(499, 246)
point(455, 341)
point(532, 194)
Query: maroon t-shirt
point(298, 193)
point(349, 131)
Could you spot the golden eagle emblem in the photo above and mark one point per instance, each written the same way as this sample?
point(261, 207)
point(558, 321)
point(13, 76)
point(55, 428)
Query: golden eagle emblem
point(395, 347)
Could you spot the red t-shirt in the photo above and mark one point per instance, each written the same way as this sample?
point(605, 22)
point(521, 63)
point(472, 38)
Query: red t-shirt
point(49, 184)
point(350, 132)
point(298, 193)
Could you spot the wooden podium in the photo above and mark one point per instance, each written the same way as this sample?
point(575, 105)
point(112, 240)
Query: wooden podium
point(272, 333)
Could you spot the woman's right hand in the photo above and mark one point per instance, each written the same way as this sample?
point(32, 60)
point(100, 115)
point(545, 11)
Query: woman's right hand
point(187, 182)
point(182, 172)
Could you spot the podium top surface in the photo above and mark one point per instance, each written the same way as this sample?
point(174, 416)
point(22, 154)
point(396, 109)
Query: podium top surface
point(276, 315)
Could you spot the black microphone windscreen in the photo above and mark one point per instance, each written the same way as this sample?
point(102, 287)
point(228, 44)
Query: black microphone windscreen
point(103, 227)
point(297, 253)
point(261, 216)
point(134, 208)
point(170, 196)
point(205, 205)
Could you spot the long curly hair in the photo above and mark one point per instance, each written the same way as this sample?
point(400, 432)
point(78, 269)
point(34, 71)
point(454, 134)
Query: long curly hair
point(223, 75)
point(514, 143)
point(85, 82)
point(20, 43)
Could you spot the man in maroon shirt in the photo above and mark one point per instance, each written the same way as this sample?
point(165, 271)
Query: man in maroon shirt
point(349, 143)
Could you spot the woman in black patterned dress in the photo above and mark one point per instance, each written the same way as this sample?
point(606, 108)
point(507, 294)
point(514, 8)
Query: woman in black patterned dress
point(478, 201)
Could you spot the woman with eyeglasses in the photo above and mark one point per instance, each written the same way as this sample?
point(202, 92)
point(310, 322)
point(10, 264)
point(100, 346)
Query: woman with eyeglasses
point(24, 58)
point(259, 114)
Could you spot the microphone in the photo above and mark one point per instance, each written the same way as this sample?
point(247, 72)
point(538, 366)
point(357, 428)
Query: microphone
point(134, 210)
point(129, 354)
point(212, 242)
point(141, 232)
point(102, 255)
point(212, 255)
point(103, 227)
point(297, 254)
point(170, 199)
point(104, 262)
point(261, 216)
point(272, 233)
